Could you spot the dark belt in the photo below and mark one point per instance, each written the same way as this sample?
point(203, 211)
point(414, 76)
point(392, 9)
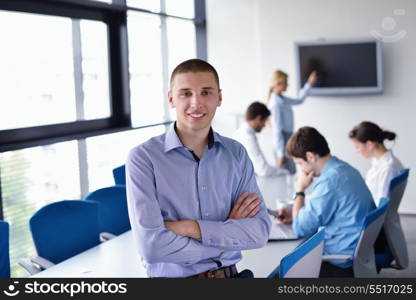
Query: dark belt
point(226, 272)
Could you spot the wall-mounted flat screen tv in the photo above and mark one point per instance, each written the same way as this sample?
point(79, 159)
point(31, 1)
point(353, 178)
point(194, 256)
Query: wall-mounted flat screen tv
point(344, 67)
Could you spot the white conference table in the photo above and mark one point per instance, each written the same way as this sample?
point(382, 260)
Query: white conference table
point(118, 257)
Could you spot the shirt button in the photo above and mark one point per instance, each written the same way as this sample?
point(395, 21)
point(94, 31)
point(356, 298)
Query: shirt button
point(204, 187)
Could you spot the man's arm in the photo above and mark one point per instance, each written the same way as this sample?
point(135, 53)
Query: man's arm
point(155, 242)
point(318, 210)
point(304, 92)
point(244, 233)
point(261, 166)
point(247, 206)
point(304, 181)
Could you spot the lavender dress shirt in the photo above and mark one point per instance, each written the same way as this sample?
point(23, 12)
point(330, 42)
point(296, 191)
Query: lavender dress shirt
point(167, 182)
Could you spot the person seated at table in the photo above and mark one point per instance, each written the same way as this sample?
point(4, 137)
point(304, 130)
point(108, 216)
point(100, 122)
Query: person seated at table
point(256, 117)
point(192, 195)
point(339, 200)
point(368, 139)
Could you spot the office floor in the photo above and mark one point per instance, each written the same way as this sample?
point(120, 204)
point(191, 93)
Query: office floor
point(409, 228)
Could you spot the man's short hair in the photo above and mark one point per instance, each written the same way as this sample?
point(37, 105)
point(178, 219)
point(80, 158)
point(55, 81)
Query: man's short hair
point(257, 109)
point(307, 139)
point(194, 65)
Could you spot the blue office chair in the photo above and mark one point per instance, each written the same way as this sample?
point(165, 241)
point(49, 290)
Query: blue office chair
point(119, 175)
point(4, 250)
point(305, 261)
point(61, 230)
point(363, 259)
point(113, 213)
point(396, 246)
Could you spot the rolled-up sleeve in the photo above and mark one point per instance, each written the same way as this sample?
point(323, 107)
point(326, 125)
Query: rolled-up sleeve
point(155, 243)
point(240, 234)
point(319, 209)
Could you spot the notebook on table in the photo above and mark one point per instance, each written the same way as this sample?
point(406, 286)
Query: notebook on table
point(280, 231)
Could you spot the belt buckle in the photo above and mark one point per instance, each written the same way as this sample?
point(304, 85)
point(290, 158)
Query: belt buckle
point(211, 274)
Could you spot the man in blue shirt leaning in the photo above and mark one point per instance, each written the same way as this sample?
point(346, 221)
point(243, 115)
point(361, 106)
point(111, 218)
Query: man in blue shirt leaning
point(192, 195)
point(340, 199)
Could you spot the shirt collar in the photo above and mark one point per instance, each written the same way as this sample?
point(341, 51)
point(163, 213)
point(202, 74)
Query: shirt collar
point(385, 158)
point(172, 140)
point(329, 164)
point(248, 128)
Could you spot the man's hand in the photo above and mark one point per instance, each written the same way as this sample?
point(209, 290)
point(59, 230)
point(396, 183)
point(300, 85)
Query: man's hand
point(188, 228)
point(285, 215)
point(281, 161)
point(246, 206)
point(305, 180)
point(313, 78)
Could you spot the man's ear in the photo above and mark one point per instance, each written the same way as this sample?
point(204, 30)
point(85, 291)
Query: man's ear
point(311, 157)
point(170, 99)
point(219, 97)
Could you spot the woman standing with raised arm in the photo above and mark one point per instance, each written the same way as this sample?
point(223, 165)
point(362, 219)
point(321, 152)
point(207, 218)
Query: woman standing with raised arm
point(281, 110)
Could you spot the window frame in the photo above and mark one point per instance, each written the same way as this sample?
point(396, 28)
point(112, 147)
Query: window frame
point(114, 15)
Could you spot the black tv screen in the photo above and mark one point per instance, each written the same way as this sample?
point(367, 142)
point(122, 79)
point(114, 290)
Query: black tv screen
point(343, 67)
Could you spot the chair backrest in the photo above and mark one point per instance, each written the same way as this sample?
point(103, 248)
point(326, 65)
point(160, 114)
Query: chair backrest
point(119, 175)
point(113, 212)
point(305, 261)
point(396, 248)
point(63, 229)
point(4, 250)
point(364, 258)
point(396, 190)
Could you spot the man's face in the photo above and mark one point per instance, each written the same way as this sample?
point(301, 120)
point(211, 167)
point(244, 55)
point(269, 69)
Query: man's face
point(259, 123)
point(309, 165)
point(196, 97)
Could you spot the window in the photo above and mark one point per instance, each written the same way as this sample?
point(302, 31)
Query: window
point(181, 41)
point(182, 8)
point(36, 63)
point(151, 5)
point(104, 153)
point(95, 82)
point(72, 73)
point(146, 69)
point(30, 179)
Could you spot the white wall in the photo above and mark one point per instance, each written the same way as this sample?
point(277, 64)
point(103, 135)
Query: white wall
point(248, 39)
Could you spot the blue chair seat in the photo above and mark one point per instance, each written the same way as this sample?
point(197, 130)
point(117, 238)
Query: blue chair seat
point(4, 250)
point(304, 261)
point(113, 211)
point(63, 229)
point(119, 175)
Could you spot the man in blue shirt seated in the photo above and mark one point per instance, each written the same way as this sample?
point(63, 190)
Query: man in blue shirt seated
point(340, 199)
point(192, 195)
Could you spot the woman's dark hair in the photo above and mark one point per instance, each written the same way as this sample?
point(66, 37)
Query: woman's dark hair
point(307, 139)
point(368, 131)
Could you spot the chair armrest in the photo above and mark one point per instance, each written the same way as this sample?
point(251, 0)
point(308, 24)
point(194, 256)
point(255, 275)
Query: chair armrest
point(42, 262)
point(341, 257)
point(106, 236)
point(26, 264)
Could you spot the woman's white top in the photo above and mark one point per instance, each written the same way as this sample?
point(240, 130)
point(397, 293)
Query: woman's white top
point(382, 171)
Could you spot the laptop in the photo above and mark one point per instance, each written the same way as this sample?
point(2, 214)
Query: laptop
point(280, 231)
